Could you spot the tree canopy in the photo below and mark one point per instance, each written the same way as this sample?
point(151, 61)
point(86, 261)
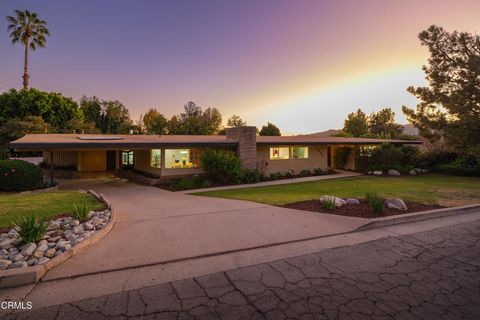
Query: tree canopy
point(55, 109)
point(356, 124)
point(236, 121)
point(154, 122)
point(270, 130)
point(26, 28)
point(195, 121)
point(450, 104)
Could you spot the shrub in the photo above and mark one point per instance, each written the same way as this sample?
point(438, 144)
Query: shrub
point(18, 175)
point(290, 173)
point(374, 202)
point(252, 176)
point(317, 171)
point(276, 175)
point(206, 183)
point(179, 184)
point(341, 156)
point(80, 212)
point(434, 159)
point(328, 203)
point(222, 166)
point(459, 170)
point(305, 173)
point(30, 228)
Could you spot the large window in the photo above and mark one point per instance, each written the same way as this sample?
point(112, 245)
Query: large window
point(156, 158)
point(127, 158)
point(278, 153)
point(182, 158)
point(299, 152)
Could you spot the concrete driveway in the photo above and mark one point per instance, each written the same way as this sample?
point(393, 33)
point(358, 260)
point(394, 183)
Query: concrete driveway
point(156, 226)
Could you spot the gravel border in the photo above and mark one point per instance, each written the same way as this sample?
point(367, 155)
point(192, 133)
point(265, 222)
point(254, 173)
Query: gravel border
point(22, 276)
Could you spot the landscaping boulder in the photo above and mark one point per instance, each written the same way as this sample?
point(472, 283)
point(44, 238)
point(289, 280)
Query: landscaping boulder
point(377, 173)
point(4, 264)
point(393, 172)
point(339, 202)
point(352, 201)
point(18, 264)
point(413, 172)
point(53, 226)
point(396, 203)
point(28, 249)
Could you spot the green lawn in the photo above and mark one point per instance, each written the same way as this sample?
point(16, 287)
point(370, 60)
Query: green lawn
point(45, 204)
point(432, 188)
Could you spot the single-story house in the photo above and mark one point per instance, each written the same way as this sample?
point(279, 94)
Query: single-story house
point(168, 156)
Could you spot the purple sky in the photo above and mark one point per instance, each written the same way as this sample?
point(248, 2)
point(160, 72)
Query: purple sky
point(300, 64)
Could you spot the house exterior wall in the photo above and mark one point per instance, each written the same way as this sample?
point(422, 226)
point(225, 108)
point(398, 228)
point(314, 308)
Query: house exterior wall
point(62, 158)
point(317, 157)
point(247, 144)
point(92, 161)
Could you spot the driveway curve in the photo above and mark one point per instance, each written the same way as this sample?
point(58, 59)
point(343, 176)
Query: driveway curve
point(156, 226)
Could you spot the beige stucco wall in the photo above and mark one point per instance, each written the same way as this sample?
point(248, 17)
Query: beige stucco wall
point(317, 157)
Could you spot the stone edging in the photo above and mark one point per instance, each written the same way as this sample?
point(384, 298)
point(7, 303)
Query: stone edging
point(33, 274)
point(417, 216)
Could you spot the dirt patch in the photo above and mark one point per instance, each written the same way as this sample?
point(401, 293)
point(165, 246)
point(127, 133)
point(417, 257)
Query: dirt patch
point(458, 197)
point(361, 210)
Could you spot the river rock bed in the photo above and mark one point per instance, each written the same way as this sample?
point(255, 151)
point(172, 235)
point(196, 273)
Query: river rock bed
point(62, 234)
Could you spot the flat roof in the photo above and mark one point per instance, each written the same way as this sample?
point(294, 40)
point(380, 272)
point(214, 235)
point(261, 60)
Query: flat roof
point(95, 141)
point(98, 141)
point(297, 140)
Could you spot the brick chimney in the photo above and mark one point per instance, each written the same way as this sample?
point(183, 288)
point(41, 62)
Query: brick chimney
point(247, 144)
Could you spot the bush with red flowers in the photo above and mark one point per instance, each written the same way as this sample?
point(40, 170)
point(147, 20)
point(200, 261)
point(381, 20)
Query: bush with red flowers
point(18, 175)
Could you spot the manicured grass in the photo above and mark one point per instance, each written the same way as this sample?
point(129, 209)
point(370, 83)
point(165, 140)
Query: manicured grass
point(428, 189)
point(45, 205)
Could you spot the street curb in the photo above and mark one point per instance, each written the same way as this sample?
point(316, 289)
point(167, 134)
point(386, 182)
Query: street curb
point(23, 276)
point(418, 216)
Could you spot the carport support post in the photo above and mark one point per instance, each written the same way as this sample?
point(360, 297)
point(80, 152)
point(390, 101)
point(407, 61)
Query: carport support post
point(51, 169)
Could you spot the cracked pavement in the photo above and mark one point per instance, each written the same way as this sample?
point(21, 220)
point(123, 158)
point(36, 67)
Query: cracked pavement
point(427, 275)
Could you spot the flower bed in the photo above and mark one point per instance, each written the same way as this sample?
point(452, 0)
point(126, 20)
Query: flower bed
point(62, 234)
point(362, 209)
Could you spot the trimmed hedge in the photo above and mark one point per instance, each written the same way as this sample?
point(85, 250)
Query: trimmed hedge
point(18, 175)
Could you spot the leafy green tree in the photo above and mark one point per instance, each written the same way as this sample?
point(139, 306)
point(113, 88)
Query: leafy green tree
point(450, 104)
point(26, 28)
point(356, 124)
point(270, 130)
point(173, 126)
point(16, 128)
point(55, 109)
point(115, 118)
point(154, 122)
point(92, 110)
point(382, 124)
point(195, 121)
point(236, 121)
point(212, 121)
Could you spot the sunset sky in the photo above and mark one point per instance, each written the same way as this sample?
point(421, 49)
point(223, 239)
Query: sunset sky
point(302, 65)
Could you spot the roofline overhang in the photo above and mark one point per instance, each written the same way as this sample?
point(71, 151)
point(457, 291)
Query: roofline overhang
point(267, 143)
point(115, 145)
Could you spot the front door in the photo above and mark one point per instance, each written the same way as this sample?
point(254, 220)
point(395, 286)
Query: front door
point(111, 161)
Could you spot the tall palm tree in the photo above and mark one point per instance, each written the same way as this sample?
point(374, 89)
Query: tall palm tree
point(26, 28)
